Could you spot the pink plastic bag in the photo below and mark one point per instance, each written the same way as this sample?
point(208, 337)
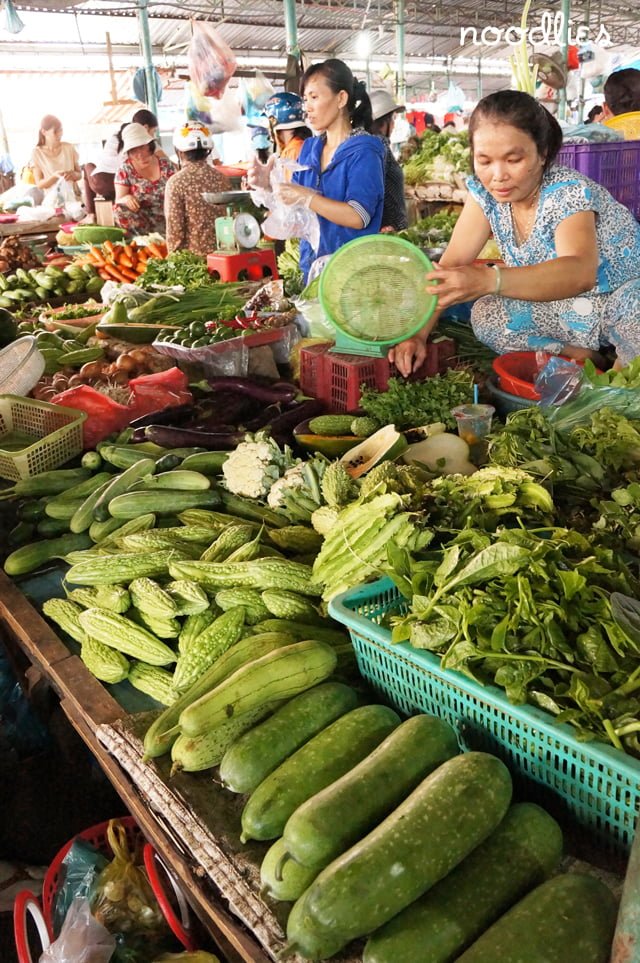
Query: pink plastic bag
point(211, 60)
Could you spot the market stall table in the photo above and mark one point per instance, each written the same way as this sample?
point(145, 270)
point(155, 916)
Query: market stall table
point(30, 229)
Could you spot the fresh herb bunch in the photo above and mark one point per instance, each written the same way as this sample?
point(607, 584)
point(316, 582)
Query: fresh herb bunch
point(289, 268)
point(180, 268)
point(411, 404)
point(531, 612)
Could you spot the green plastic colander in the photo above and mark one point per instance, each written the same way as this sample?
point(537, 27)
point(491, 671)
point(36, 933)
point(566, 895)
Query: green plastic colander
point(374, 292)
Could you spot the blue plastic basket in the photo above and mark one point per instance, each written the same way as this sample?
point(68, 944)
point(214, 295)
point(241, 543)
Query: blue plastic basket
point(615, 165)
point(596, 786)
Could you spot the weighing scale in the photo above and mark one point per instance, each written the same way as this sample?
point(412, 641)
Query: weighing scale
point(236, 257)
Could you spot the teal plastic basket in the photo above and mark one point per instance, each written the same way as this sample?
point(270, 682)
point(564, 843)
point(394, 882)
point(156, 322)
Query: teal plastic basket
point(589, 784)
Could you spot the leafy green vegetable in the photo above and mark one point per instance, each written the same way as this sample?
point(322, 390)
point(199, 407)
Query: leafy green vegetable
point(439, 158)
point(432, 231)
point(549, 616)
point(180, 268)
point(289, 268)
point(411, 404)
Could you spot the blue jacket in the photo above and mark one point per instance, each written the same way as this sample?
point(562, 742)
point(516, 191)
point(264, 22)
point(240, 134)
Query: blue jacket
point(356, 174)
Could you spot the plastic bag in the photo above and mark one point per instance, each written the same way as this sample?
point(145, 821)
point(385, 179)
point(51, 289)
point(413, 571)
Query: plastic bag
point(104, 415)
point(81, 865)
point(211, 60)
point(254, 94)
point(285, 221)
point(165, 389)
point(197, 107)
point(123, 900)
point(225, 113)
point(580, 396)
point(60, 194)
point(82, 939)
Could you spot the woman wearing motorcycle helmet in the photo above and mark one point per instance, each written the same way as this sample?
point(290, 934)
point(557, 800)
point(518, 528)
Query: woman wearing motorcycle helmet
point(190, 220)
point(286, 123)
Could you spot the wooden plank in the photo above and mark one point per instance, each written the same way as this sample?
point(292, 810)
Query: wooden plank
point(25, 624)
point(234, 942)
point(32, 228)
point(89, 698)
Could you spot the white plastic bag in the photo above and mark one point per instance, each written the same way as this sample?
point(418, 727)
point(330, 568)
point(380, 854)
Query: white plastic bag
point(211, 60)
point(285, 220)
point(82, 939)
point(60, 194)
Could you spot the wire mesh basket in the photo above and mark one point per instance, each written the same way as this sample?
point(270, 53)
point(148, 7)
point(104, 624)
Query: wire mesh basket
point(36, 436)
point(21, 367)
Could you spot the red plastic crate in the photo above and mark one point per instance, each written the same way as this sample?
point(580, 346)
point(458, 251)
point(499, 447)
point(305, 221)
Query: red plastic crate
point(615, 165)
point(337, 379)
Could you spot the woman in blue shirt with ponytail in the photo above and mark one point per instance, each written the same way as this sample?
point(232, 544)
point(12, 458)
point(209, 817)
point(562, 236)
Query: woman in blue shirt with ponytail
point(344, 179)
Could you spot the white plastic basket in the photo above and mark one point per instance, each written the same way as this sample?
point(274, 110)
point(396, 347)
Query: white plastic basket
point(21, 367)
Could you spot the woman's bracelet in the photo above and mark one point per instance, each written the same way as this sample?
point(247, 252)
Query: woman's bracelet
point(498, 287)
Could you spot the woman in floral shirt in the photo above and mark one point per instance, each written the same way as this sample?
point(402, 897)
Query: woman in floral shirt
point(140, 184)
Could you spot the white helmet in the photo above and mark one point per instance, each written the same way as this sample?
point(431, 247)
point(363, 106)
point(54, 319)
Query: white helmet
point(191, 136)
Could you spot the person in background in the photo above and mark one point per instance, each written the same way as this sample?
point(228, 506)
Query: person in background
point(140, 183)
point(622, 97)
point(190, 219)
point(261, 144)
point(571, 276)
point(286, 122)
point(99, 178)
point(595, 115)
point(343, 182)
point(394, 211)
point(53, 158)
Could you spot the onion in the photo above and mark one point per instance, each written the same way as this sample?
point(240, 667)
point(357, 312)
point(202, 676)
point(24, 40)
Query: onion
point(92, 369)
point(126, 362)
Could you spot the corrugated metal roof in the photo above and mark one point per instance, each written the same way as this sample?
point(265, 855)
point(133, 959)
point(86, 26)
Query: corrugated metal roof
point(255, 28)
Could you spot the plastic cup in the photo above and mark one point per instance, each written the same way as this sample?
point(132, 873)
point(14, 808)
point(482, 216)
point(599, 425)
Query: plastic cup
point(474, 422)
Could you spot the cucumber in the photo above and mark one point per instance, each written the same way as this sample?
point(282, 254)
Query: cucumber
point(132, 504)
point(196, 753)
point(450, 813)
point(176, 480)
point(82, 518)
point(338, 816)
point(208, 462)
point(570, 917)
point(30, 557)
point(318, 763)
point(522, 852)
point(118, 486)
point(165, 730)
point(260, 751)
point(51, 527)
point(64, 508)
point(288, 883)
point(279, 675)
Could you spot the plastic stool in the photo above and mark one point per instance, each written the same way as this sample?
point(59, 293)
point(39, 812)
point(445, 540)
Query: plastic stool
point(243, 265)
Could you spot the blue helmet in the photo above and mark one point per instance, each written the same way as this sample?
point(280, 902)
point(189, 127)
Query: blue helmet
point(285, 111)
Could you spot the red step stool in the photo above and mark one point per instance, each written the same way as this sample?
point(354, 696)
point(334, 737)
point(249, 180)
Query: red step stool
point(255, 265)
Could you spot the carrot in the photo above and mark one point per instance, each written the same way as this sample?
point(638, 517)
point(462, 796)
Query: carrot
point(124, 261)
point(129, 274)
point(97, 255)
point(128, 250)
point(117, 251)
point(140, 267)
point(103, 274)
point(155, 251)
point(114, 273)
point(108, 247)
point(143, 255)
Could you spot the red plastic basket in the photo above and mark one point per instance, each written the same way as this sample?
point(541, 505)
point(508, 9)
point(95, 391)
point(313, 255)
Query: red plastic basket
point(615, 165)
point(27, 903)
point(337, 379)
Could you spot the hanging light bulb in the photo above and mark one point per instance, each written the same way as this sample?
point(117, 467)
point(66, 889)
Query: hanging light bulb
point(12, 22)
point(363, 44)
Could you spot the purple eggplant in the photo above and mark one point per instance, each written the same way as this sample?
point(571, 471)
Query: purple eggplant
point(281, 427)
point(191, 438)
point(178, 415)
point(271, 394)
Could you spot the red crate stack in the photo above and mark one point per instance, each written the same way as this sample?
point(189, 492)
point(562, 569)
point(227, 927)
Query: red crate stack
point(337, 379)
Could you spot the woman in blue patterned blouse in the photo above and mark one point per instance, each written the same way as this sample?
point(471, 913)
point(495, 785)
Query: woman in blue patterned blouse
point(571, 276)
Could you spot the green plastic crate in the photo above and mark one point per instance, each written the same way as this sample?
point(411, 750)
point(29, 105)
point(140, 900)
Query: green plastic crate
point(596, 786)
